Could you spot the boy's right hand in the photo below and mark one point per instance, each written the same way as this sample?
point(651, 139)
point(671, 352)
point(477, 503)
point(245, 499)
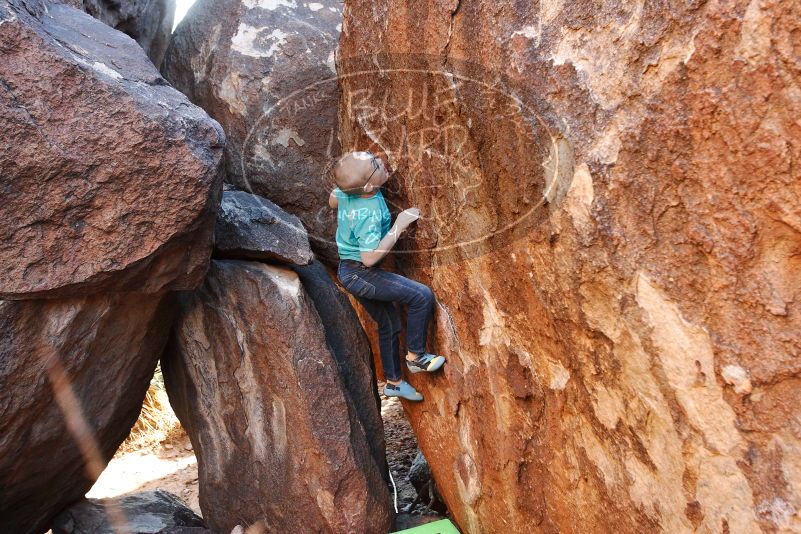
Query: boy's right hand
point(407, 217)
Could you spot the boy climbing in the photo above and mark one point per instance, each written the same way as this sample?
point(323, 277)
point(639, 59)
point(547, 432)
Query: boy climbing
point(364, 236)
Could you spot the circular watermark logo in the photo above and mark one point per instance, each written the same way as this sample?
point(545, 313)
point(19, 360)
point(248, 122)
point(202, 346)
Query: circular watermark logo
point(475, 152)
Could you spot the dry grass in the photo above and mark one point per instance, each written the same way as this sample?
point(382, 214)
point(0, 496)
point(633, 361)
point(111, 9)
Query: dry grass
point(157, 422)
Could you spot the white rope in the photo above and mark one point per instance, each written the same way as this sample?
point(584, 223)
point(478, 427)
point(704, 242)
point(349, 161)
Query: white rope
point(395, 489)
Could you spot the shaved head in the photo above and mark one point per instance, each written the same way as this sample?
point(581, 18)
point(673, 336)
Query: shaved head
point(352, 170)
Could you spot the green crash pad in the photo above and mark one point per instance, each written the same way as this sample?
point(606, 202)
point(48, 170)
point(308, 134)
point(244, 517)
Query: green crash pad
point(443, 526)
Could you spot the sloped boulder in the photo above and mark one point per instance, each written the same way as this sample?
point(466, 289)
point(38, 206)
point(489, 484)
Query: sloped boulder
point(251, 227)
point(110, 176)
point(147, 512)
point(250, 377)
point(73, 376)
point(610, 222)
point(351, 349)
point(265, 70)
point(147, 22)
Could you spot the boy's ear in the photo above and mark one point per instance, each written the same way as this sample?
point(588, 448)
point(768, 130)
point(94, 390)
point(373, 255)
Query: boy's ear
point(368, 187)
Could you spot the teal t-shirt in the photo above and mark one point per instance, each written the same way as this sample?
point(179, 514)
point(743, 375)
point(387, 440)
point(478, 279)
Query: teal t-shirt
point(361, 223)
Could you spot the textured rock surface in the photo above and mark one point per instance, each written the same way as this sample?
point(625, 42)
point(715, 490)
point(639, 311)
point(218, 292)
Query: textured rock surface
point(148, 22)
point(265, 70)
point(351, 350)
point(251, 227)
point(109, 176)
point(186, 530)
point(630, 361)
point(424, 485)
point(148, 512)
point(107, 346)
point(253, 382)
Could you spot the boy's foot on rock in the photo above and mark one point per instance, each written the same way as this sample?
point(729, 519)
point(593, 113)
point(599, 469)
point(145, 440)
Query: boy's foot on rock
point(425, 362)
point(403, 390)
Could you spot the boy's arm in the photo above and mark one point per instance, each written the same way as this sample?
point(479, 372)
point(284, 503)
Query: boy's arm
point(332, 199)
point(404, 220)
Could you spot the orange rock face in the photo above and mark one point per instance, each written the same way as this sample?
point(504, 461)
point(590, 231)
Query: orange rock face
point(611, 224)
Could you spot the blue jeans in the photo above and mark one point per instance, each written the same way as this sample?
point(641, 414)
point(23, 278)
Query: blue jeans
point(378, 291)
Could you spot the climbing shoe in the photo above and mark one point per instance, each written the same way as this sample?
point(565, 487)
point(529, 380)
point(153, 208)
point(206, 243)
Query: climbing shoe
point(425, 362)
point(403, 390)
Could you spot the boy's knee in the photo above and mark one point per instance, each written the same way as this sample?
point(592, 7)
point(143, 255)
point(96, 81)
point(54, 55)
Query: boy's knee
point(427, 294)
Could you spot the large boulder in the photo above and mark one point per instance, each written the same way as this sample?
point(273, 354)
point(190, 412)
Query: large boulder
point(253, 382)
point(265, 70)
point(110, 177)
point(73, 376)
point(148, 22)
point(351, 350)
point(147, 512)
point(610, 222)
point(251, 227)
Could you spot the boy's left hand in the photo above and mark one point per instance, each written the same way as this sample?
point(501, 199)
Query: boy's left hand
point(407, 217)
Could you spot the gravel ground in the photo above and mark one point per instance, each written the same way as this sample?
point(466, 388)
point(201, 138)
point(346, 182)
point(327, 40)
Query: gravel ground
point(401, 450)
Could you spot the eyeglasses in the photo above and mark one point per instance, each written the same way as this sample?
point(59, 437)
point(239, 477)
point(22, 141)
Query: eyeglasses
point(376, 166)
